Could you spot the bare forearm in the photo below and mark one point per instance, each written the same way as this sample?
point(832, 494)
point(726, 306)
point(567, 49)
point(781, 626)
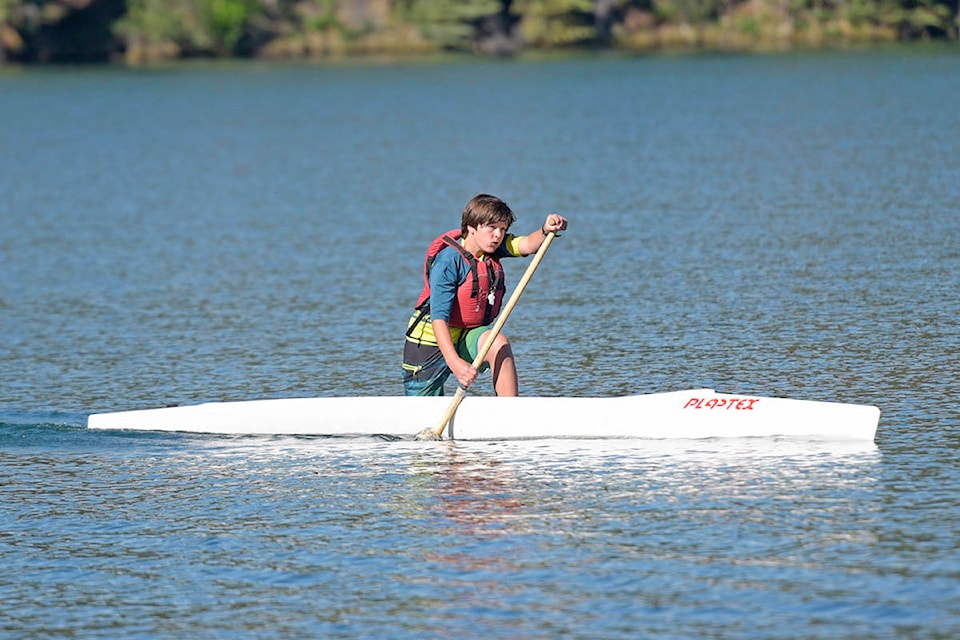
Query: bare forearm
point(442, 332)
point(462, 370)
point(531, 242)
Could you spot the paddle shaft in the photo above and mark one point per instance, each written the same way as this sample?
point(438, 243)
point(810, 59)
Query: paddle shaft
point(497, 326)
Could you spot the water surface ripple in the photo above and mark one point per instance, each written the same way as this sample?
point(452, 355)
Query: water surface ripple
point(781, 225)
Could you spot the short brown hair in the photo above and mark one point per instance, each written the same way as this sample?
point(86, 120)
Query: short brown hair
point(485, 209)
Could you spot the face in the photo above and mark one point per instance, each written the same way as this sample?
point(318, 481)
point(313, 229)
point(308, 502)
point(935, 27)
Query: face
point(489, 236)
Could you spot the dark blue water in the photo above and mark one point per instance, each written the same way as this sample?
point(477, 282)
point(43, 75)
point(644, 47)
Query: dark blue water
point(779, 226)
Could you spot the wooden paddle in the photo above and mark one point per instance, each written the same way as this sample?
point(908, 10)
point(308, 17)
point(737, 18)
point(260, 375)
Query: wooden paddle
point(437, 434)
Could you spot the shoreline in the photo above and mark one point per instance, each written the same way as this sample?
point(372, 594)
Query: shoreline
point(526, 56)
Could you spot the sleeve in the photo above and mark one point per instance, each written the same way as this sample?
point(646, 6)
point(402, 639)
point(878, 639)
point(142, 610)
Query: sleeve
point(510, 247)
point(446, 276)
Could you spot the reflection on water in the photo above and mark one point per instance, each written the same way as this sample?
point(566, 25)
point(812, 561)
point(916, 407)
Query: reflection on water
point(607, 535)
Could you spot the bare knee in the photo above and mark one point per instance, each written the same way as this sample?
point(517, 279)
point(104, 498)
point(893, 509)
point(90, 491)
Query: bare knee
point(498, 350)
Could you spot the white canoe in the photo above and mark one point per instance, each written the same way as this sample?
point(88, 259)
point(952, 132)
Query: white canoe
point(697, 413)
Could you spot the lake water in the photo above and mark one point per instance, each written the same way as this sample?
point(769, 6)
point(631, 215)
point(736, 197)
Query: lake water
point(783, 226)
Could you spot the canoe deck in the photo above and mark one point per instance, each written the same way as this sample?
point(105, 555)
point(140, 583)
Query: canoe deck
point(695, 413)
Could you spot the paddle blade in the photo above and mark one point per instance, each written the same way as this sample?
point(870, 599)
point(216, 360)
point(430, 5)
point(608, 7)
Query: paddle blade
point(428, 434)
point(437, 434)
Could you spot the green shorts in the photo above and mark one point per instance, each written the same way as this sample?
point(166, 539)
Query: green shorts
point(424, 369)
point(469, 346)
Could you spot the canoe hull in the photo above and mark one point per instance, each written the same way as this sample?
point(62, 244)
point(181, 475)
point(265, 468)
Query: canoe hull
point(696, 413)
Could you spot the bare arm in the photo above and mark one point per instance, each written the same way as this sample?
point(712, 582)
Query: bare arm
point(530, 243)
point(464, 372)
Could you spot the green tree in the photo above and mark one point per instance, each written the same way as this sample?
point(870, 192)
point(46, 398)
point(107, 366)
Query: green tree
point(226, 20)
point(557, 23)
point(687, 11)
point(929, 17)
point(171, 28)
point(451, 24)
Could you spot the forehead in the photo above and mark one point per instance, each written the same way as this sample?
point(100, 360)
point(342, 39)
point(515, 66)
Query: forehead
point(497, 224)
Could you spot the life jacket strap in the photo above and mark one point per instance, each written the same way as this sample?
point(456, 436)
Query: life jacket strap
point(422, 310)
point(471, 260)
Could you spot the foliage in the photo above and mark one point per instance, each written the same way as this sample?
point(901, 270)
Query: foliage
point(225, 20)
point(449, 23)
point(553, 23)
point(160, 27)
point(687, 11)
point(928, 15)
point(151, 29)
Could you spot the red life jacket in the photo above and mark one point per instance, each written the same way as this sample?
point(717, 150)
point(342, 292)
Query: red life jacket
point(480, 296)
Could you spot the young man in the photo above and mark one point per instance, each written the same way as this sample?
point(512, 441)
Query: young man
point(462, 294)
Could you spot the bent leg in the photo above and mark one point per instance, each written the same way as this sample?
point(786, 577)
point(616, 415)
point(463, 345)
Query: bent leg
point(500, 360)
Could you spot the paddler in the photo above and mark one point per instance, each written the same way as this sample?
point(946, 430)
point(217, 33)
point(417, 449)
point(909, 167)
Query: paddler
point(462, 294)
